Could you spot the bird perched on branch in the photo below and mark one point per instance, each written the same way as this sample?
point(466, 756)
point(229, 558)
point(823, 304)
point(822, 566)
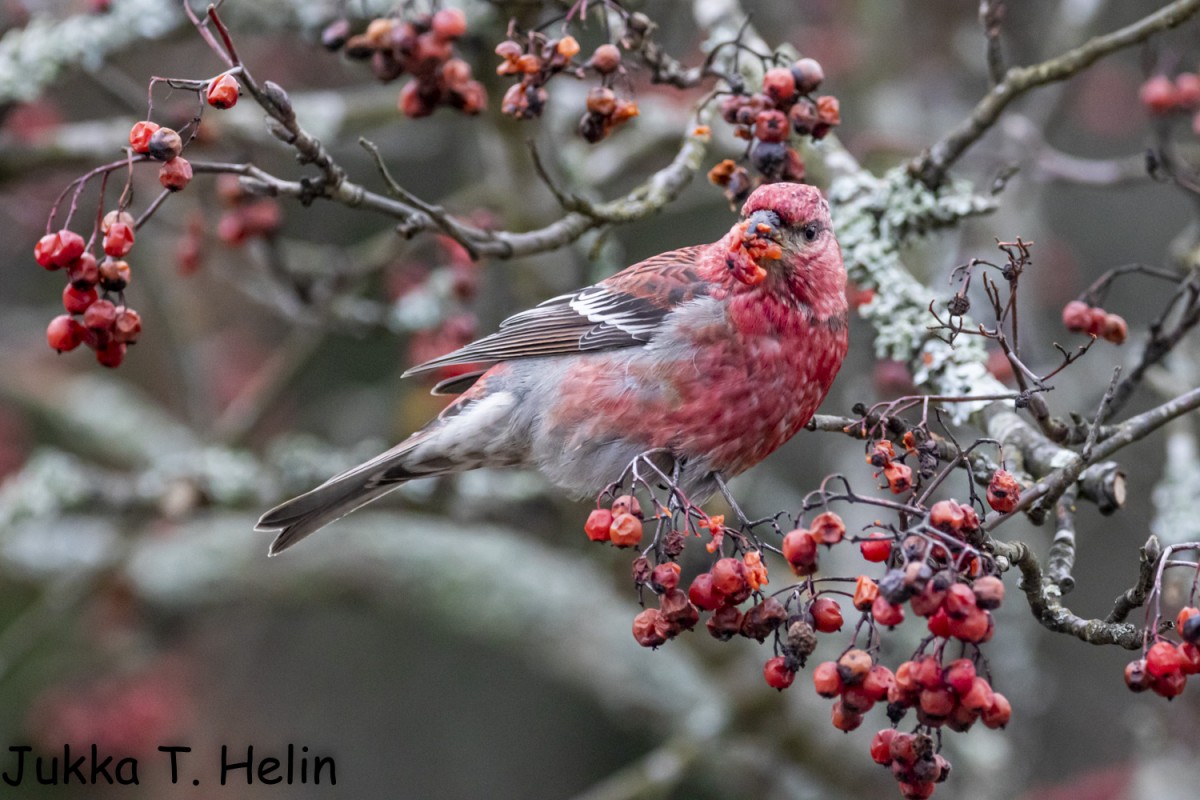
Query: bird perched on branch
point(712, 356)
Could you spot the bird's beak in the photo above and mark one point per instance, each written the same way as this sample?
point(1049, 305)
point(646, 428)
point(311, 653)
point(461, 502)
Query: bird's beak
point(764, 224)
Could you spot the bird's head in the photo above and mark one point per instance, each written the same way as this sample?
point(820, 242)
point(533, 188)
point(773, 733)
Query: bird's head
point(785, 239)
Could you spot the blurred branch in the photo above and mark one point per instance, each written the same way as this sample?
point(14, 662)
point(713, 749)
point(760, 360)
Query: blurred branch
point(931, 166)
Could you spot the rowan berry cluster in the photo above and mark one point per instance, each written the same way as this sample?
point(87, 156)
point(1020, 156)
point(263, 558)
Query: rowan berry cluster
point(1165, 666)
point(1164, 97)
point(421, 46)
point(93, 318)
point(245, 216)
point(105, 327)
point(767, 119)
point(537, 59)
point(1079, 317)
point(933, 569)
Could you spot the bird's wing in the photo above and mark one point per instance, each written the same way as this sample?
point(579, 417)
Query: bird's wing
point(624, 310)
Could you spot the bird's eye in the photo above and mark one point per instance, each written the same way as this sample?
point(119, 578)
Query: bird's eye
point(811, 230)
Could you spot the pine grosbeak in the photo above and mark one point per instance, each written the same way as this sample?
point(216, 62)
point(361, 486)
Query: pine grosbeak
point(712, 355)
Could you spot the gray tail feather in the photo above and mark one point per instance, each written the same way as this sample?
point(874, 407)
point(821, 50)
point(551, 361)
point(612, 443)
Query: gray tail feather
point(311, 511)
point(341, 494)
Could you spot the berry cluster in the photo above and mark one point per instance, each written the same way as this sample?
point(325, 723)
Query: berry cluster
point(1079, 317)
point(93, 318)
point(163, 144)
point(621, 524)
point(1163, 97)
point(1165, 666)
point(423, 47)
point(767, 118)
point(246, 216)
point(103, 326)
point(934, 570)
point(537, 59)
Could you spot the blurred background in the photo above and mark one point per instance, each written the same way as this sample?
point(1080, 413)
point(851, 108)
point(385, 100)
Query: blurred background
point(462, 638)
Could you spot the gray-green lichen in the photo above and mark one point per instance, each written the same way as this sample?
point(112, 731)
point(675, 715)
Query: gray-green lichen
point(874, 217)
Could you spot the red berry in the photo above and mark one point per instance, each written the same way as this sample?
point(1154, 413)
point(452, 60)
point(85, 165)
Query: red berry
point(865, 592)
point(919, 790)
point(77, 301)
point(100, 316)
point(779, 84)
point(1136, 676)
point(973, 627)
point(927, 672)
point(843, 718)
point(175, 174)
point(777, 673)
point(905, 748)
point(826, 614)
point(1170, 685)
point(729, 576)
point(998, 712)
point(70, 247)
point(960, 676)
point(771, 126)
point(1115, 329)
point(1003, 492)
point(704, 594)
point(1189, 655)
point(877, 548)
point(885, 613)
point(853, 665)
point(1163, 658)
point(223, 92)
point(1158, 95)
point(881, 747)
point(127, 326)
point(828, 528)
point(939, 624)
point(606, 59)
point(598, 524)
point(449, 24)
point(826, 679)
point(829, 110)
point(1187, 90)
point(627, 504)
point(111, 355)
point(879, 682)
point(119, 240)
point(898, 477)
point(938, 702)
point(646, 629)
point(665, 576)
point(1077, 316)
point(64, 334)
point(626, 530)
point(979, 697)
point(960, 600)
point(989, 592)
point(800, 550)
point(139, 136)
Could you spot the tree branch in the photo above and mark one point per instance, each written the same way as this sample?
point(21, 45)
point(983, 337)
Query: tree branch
point(931, 166)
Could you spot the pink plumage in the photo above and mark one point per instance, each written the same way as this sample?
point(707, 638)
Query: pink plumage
point(713, 355)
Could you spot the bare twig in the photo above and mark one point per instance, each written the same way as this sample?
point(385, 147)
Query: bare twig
point(931, 166)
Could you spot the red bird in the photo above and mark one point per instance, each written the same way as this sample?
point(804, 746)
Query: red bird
point(715, 355)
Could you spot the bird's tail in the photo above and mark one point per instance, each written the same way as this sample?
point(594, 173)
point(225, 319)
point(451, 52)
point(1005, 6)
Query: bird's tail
point(341, 494)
